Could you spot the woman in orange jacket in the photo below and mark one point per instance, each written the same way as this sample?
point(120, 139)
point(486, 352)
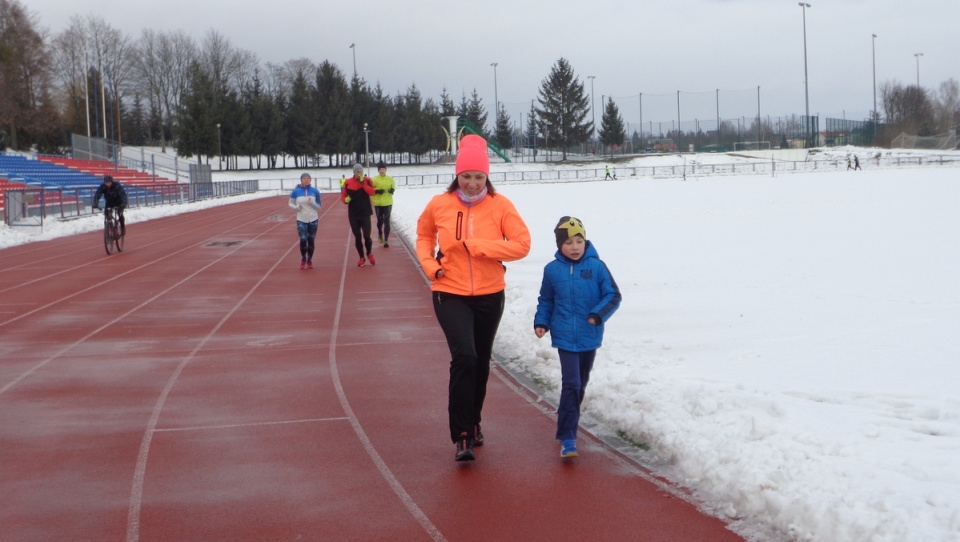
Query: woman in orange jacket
point(463, 237)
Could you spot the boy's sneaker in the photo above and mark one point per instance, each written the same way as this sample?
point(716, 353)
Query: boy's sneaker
point(373, 260)
point(361, 262)
point(464, 449)
point(477, 436)
point(303, 264)
point(568, 448)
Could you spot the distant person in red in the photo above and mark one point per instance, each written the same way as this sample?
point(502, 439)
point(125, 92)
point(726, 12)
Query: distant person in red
point(114, 195)
point(356, 192)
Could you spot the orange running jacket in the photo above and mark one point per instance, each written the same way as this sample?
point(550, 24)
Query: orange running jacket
point(473, 243)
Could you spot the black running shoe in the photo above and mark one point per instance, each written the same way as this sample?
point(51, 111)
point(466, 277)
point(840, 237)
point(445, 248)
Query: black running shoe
point(477, 436)
point(464, 448)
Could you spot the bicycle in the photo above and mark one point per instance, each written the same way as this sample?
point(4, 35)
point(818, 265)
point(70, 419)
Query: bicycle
point(112, 234)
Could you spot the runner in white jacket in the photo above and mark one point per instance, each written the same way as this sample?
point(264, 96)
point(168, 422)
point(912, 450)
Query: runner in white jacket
point(305, 200)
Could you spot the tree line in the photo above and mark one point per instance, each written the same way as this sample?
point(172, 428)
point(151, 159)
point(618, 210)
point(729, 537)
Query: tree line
point(209, 98)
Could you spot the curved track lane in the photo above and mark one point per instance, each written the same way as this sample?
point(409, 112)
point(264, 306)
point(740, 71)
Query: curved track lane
point(199, 386)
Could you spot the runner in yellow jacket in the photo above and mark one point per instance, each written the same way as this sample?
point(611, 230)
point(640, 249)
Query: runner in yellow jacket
point(384, 187)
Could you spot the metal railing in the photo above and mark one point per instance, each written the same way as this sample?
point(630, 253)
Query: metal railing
point(24, 206)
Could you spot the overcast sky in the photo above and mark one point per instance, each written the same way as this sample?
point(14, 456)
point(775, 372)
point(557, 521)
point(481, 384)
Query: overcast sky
point(653, 48)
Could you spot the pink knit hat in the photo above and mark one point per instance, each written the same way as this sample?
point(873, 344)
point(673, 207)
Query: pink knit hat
point(473, 155)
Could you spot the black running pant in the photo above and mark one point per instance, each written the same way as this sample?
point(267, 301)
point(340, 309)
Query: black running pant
point(360, 226)
point(383, 221)
point(470, 325)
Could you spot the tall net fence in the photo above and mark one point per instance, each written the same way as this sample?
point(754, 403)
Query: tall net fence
point(940, 142)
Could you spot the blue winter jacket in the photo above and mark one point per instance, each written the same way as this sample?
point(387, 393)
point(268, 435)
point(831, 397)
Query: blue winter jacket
point(571, 292)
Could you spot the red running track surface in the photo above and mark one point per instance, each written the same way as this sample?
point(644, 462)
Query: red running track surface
point(200, 386)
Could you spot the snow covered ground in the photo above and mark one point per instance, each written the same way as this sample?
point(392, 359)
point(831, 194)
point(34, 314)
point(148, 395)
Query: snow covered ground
point(787, 345)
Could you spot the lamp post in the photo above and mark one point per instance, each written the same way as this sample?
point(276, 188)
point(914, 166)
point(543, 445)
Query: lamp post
point(354, 49)
point(496, 100)
point(875, 118)
point(593, 106)
point(219, 148)
point(806, 78)
point(918, 55)
point(366, 139)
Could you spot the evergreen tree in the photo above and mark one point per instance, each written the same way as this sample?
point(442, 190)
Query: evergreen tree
point(334, 105)
point(532, 134)
point(473, 111)
point(363, 109)
point(563, 107)
point(196, 128)
point(477, 113)
point(612, 131)
point(136, 130)
point(504, 132)
point(299, 120)
point(384, 139)
point(276, 137)
point(447, 107)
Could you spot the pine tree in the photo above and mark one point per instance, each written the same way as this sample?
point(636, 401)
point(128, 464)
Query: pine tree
point(299, 120)
point(532, 134)
point(504, 132)
point(612, 130)
point(563, 108)
point(196, 128)
point(447, 107)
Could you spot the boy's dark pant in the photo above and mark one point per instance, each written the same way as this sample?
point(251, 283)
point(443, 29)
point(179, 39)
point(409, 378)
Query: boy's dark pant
point(470, 325)
point(575, 370)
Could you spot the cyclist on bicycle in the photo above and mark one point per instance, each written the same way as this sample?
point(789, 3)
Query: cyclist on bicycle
point(114, 195)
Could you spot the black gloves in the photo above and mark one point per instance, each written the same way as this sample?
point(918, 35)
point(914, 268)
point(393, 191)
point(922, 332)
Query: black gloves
point(390, 191)
point(380, 191)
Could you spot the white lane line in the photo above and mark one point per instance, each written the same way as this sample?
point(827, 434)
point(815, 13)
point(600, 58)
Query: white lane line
point(94, 262)
point(136, 492)
point(405, 497)
point(139, 474)
point(98, 284)
point(252, 424)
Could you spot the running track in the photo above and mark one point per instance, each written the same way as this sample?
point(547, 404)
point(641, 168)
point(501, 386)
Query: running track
point(199, 386)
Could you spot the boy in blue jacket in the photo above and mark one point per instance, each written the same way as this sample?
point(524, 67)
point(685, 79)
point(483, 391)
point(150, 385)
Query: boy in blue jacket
point(577, 296)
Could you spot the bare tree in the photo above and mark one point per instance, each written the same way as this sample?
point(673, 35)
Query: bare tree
point(25, 75)
point(70, 69)
point(907, 108)
point(162, 67)
point(947, 106)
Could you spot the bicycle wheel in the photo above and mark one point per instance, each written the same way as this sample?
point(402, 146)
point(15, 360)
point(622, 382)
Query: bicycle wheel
point(119, 238)
point(108, 237)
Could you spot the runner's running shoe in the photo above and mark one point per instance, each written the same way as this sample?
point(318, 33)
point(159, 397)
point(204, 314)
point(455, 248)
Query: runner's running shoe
point(464, 449)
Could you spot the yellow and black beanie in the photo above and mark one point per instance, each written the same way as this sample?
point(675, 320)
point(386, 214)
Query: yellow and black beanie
point(567, 228)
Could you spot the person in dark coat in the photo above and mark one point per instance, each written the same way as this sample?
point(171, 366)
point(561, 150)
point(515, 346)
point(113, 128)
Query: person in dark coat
point(114, 195)
point(356, 192)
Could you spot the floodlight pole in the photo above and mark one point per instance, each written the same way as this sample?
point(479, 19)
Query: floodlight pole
point(496, 99)
point(366, 139)
point(354, 49)
point(918, 55)
point(806, 78)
